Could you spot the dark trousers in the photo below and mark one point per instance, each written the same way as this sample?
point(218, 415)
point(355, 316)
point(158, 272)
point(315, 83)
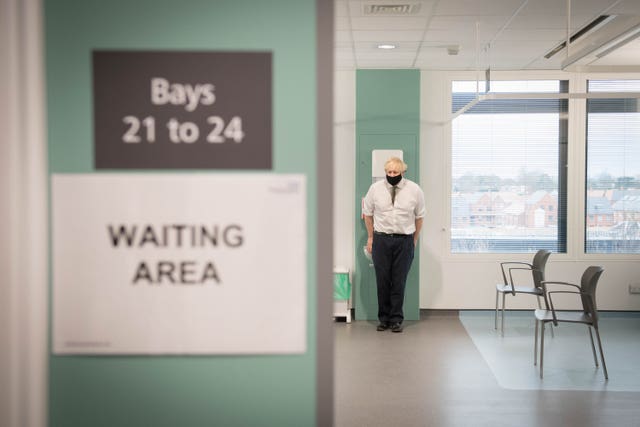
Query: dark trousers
point(392, 256)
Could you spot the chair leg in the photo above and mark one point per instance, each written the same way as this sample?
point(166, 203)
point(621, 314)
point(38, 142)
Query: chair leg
point(535, 345)
point(539, 306)
point(604, 365)
point(502, 320)
point(541, 347)
point(593, 347)
point(496, 317)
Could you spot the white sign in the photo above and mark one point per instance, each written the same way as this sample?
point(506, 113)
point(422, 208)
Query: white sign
point(379, 158)
point(179, 264)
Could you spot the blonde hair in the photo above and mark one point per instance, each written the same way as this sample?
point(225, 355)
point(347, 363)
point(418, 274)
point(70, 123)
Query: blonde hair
point(395, 161)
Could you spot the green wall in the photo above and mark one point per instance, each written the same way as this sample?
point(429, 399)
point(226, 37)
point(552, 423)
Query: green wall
point(387, 117)
point(204, 390)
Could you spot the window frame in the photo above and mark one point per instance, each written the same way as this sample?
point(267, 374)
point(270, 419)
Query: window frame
point(562, 228)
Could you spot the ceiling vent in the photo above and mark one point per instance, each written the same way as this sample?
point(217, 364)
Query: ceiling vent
point(393, 9)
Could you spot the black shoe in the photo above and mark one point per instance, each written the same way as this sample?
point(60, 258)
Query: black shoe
point(396, 327)
point(383, 326)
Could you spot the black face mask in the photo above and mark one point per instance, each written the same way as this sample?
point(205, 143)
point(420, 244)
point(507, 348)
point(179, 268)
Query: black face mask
point(394, 180)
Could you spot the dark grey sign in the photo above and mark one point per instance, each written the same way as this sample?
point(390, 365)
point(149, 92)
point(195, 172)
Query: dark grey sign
point(182, 110)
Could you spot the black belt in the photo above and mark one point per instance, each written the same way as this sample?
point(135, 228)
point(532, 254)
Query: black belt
point(380, 233)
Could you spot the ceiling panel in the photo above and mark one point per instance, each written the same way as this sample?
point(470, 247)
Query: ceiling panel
point(341, 37)
point(477, 7)
point(593, 7)
point(627, 7)
point(536, 23)
point(388, 23)
point(450, 22)
point(559, 7)
point(342, 23)
point(522, 34)
point(437, 63)
point(340, 8)
point(387, 36)
point(467, 35)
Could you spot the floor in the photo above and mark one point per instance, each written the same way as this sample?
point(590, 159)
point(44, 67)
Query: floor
point(433, 374)
point(568, 357)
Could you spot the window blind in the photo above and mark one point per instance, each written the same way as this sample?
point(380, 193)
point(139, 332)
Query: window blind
point(508, 178)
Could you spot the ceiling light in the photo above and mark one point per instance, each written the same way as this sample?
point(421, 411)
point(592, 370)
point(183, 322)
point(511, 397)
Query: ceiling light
point(618, 32)
point(386, 46)
point(591, 26)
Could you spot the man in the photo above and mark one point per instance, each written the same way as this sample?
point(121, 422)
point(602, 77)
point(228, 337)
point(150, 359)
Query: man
point(393, 214)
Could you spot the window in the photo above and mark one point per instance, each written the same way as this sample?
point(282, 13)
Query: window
point(508, 156)
point(613, 170)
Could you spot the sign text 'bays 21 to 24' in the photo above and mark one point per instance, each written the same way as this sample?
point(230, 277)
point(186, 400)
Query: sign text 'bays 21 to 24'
point(163, 92)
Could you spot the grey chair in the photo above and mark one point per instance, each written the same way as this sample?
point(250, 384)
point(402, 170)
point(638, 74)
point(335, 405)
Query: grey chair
point(587, 316)
point(537, 267)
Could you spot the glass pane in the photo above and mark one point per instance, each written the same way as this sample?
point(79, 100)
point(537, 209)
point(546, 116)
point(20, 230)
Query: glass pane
point(507, 194)
point(612, 214)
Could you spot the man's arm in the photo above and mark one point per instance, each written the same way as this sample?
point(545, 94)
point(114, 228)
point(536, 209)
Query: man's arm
point(368, 222)
point(416, 234)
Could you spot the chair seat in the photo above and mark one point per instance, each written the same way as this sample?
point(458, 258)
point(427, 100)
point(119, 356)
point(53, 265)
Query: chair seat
point(564, 316)
point(501, 287)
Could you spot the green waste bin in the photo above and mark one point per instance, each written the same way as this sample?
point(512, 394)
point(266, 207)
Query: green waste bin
point(341, 293)
point(341, 285)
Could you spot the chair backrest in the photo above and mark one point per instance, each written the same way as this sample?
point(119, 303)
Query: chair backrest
point(539, 263)
point(588, 285)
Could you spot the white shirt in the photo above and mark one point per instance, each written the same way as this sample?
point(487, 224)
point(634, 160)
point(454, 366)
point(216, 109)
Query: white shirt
point(400, 217)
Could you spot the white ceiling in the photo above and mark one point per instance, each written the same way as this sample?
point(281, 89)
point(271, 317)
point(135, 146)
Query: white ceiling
point(496, 34)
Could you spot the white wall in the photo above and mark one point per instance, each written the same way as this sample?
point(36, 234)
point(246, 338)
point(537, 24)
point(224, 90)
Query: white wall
point(467, 281)
point(344, 159)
